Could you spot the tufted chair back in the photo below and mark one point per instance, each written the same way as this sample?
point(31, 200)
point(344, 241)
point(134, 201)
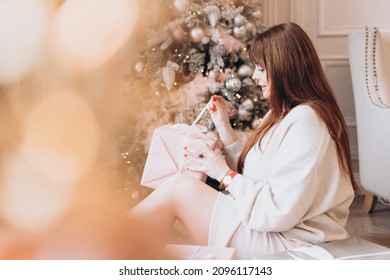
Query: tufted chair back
point(369, 55)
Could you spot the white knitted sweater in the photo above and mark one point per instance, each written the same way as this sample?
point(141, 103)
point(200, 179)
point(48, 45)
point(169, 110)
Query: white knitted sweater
point(294, 184)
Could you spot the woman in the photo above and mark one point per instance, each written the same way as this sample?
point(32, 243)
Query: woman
point(290, 185)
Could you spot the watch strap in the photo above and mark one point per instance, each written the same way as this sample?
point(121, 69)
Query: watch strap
point(226, 180)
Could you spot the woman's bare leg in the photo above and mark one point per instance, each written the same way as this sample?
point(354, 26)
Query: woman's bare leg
point(182, 198)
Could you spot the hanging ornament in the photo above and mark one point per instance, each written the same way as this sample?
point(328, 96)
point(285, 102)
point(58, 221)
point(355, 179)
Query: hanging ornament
point(197, 34)
point(257, 14)
point(178, 34)
point(233, 84)
point(245, 71)
point(169, 73)
point(213, 14)
point(250, 28)
point(239, 32)
point(166, 44)
point(232, 111)
point(181, 5)
point(239, 20)
point(247, 104)
point(244, 115)
point(139, 66)
point(213, 74)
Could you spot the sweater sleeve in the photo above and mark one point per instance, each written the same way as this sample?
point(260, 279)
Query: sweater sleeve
point(232, 152)
point(282, 201)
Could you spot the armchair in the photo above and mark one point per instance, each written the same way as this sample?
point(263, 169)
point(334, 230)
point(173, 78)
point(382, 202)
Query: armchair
point(369, 55)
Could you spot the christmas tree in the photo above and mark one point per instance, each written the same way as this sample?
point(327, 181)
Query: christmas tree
point(199, 50)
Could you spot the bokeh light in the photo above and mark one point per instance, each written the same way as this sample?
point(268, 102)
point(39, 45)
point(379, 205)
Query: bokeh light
point(87, 33)
point(23, 27)
point(61, 138)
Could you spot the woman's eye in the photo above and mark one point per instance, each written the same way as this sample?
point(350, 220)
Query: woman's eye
point(259, 69)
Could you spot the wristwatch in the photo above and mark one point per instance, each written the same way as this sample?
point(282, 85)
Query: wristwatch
point(228, 178)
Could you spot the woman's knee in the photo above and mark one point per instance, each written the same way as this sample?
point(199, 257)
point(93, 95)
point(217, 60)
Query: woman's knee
point(181, 182)
point(182, 188)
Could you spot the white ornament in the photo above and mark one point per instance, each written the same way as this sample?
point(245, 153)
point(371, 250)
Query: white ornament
point(250, 28)
point(239, 20)
point(258, 14)
point(244, 115)
point(166, 44)
point(181, 5)
point(169, 74)
point(233, 84)
point(178, 34)
point(213, 74)
point(197, 34)
point(139, 67)
point(213, 14)
point(245, 71)
point(239, 32)
point(247, 104)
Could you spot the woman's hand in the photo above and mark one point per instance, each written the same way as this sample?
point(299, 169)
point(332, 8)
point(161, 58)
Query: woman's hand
point(201, 157)
point(219, 112)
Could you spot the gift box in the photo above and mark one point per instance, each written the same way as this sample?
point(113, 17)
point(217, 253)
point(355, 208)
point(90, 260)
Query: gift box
point(166, 155)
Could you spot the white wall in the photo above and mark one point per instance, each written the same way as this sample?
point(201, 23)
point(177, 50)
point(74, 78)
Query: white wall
point(328, 23)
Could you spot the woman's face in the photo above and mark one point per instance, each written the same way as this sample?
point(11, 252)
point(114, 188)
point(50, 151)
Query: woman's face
point(260, 77)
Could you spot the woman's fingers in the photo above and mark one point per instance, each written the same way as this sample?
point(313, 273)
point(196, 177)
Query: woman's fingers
point(217, 103)
point(199, 151)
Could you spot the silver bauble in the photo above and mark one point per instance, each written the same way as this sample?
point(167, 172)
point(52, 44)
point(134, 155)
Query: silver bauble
point(239, 32)
point(239, 20)
point(233, 84)
point(245, 71)
point(197, 34)
point(250, 28)
point(244, 115)
point(247, 104)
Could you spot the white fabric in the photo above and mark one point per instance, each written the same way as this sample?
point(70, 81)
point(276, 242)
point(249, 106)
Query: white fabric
point(291, 193)
point(373, 129)
point(348, 249)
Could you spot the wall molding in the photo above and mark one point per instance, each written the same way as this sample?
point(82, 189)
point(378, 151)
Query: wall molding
point(325, 29)
point(334, 61)
point(270, 12)
point(296, 11)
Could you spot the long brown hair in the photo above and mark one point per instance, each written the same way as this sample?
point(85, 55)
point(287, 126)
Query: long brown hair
point(292, 65)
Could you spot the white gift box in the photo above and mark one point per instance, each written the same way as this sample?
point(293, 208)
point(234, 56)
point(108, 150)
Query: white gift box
point(166, 154)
